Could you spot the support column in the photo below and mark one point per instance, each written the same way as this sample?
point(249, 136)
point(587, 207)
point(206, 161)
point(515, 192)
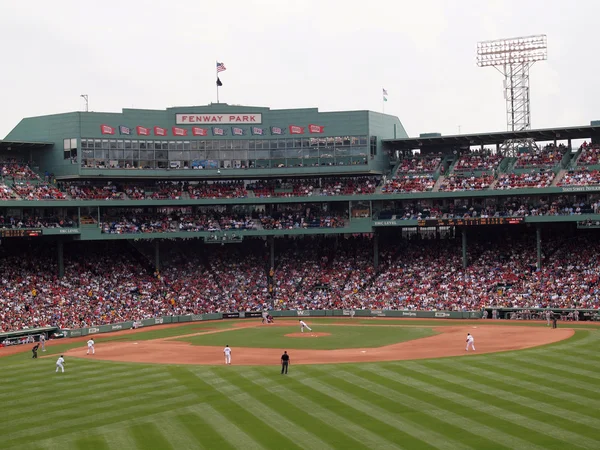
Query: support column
point(157, 255)
point(271, 252)
point(538, 242)
point(464, 248)
point(375, 249)
point(61, 260)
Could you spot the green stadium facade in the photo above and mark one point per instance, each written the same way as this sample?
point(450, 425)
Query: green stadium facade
point(221, 142)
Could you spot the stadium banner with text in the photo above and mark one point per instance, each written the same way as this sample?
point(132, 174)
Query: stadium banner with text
point(218, 119)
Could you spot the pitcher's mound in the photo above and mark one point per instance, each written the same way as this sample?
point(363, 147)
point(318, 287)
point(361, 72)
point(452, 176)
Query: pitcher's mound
point(308, 334)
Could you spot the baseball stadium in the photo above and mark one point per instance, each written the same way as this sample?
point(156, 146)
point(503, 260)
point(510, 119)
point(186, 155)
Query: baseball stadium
point(224, 276)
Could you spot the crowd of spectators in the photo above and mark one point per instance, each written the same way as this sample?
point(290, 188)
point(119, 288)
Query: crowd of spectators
point(548, 156)
point(478, 161)
point(400, 184)
point(135, 222)
point(457, 182)
point(88, 190)
point(420, 164)
point(581, 177)
point(590, 155)
point(7, 193)
point(294, 219)
point(12, 222)
point(12, 169)
point(106, 283)
point(37, 191)
point(214, 190)
point(533, 179)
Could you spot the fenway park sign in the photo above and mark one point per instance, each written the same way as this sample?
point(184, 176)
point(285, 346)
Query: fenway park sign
point(223, 119)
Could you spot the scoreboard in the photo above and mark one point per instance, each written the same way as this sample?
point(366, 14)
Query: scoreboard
point(471, 222)
point(31, 232)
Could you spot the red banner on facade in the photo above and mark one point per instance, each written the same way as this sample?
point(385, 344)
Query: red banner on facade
point(198, 131)
point(106, 129)
point(179, 131)
point(142, 131)
point(158, 131)
point(294, 129)
point(316, 128)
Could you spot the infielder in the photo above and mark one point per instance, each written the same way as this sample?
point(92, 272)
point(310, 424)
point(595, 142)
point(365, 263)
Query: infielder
point(60, 364)
point(303, 326)
point(227, 353)
point(470, 342)
point(91, 347)
point(43, 341)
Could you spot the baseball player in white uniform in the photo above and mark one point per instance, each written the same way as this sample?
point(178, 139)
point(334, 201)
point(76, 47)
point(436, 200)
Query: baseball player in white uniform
point(60, 364)
point(470, 342)
point(303, 326)
point(227, 353)
point(43, 342)
point(91, 347)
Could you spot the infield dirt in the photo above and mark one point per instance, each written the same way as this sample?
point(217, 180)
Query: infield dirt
point(449, 342)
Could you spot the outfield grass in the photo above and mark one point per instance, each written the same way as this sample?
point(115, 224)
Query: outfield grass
point(543, 398)
point(340, 337)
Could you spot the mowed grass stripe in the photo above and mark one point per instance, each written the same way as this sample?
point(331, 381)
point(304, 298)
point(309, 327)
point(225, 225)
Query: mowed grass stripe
point(120, 439)
point(96, 392)
point(89, 442)
point(564, 371)
point(205, 436)
point(474, 433)
point(549, 422)
point(564, 383)
point(180, 438)
point(232, 433)
point(111, 416)
point(502, 430)
point(76, 409)
point(557, 363)
point(254, 406)
point(260, 430)
point(78, 376)
point(506, 376)
point(348, 430)
point(147, 436)
point(522, 426)
point(254, 432)
point(525, 397)
point(32, 370)
point(415, 434)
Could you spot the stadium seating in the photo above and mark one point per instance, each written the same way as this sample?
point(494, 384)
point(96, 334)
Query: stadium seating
point(533, 179)
point(581, 177)
point(106, 283)
point(546, 157)
point(478, 161)
point(408, 183)
point(456, 182)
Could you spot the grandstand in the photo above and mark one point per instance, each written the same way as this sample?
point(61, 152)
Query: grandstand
point(112, 217)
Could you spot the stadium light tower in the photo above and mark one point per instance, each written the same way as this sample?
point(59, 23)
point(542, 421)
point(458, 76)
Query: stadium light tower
point(513, 58)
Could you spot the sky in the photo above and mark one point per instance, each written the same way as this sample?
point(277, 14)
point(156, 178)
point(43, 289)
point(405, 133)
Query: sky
point(331, 54)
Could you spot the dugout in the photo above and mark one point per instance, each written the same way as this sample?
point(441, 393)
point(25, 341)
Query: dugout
point(26, 336)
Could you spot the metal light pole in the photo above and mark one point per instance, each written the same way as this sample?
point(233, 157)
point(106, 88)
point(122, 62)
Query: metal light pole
point(85, 97)
point(513, 58)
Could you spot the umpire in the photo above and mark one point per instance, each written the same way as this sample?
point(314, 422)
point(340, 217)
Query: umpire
point(34, 350)
point(554, 320)
point(285, 362)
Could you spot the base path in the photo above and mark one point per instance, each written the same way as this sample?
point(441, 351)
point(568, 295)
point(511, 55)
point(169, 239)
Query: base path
point(450, 342)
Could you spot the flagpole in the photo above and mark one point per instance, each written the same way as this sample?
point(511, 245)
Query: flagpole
point(217, 71)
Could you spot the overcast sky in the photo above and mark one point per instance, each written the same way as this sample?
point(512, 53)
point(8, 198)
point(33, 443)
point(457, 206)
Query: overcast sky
point(330, 54)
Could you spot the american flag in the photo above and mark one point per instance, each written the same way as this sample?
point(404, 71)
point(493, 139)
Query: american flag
point(220, 67)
